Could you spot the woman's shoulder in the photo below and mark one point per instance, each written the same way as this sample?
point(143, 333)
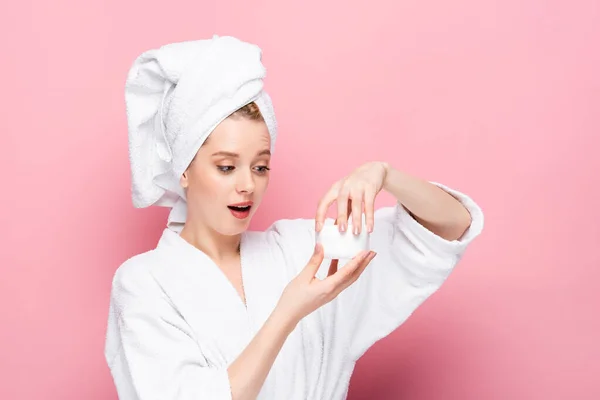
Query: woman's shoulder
point(138, 269)
point(134, 274)
point(288, 229)
point(292, 225)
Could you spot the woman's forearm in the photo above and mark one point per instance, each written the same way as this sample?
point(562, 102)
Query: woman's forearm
point(433, 207)
point(249, 371)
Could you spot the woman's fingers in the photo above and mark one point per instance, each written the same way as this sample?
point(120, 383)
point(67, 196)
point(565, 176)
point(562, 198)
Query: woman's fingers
point(369, 199)
point(357, 202)
point(324, 205)
point(349, 202)
point(311, 268)
point(357, 272)
point(343, 201)
point(349, 272)
point(362, 266)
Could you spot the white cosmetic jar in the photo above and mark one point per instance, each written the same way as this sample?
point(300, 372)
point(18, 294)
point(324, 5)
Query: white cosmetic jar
point(342, 245)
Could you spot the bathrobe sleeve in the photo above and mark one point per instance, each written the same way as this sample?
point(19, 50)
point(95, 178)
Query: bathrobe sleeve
point(411, 264)
point(149, 347)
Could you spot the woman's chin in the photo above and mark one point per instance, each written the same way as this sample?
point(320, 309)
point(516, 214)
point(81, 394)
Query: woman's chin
point(236, 227)
point(235, 223)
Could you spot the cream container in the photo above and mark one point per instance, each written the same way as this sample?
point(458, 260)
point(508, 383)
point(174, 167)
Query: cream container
point(342, 245)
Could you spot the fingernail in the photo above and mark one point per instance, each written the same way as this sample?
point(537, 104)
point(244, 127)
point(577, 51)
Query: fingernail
point(356, 230)
point(370, 229)
point(372, 255)
point(343, 227)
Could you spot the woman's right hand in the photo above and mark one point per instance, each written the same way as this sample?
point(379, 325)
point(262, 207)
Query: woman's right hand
point(306, 293)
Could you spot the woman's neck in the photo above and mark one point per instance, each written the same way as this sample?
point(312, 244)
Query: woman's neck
point(220, 248)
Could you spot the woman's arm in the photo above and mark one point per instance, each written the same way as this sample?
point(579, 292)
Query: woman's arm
point(419, 241)
point(248, 372)
point(431, 206)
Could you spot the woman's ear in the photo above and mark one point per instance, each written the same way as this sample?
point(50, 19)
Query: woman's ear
point(183, 181)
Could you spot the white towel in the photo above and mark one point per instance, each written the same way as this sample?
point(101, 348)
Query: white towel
point(175, 97)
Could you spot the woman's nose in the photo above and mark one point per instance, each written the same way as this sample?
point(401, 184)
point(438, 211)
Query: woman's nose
point(245, 183)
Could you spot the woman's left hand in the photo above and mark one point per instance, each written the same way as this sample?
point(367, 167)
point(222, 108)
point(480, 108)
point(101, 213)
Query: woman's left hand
point(351, 193)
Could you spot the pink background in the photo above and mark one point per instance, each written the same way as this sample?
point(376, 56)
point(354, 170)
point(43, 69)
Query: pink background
point(500, 99)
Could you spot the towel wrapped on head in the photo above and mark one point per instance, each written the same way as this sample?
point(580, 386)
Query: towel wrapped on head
point(175, 97)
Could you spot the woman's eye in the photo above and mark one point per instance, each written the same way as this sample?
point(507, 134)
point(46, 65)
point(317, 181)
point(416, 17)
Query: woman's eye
point(263, 169)
point(225, 168)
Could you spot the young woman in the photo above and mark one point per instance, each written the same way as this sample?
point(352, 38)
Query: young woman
point(219, 312)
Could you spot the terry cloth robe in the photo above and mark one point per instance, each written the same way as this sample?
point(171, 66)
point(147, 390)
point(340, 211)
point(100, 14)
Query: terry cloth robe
point(176, 322)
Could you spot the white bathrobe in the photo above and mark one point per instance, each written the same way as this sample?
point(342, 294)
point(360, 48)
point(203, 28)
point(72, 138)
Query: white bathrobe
point(176, 323)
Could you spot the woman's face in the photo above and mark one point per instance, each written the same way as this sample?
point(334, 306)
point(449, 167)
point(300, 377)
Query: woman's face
point(227, 179)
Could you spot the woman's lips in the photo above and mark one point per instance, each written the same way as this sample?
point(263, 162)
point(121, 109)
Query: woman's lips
point(240, 210)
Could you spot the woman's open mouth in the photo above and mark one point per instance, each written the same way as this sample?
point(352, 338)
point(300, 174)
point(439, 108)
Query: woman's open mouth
point(240, 210)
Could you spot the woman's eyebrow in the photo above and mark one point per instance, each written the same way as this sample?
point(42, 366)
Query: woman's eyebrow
point(226, 153)
point(231, 154)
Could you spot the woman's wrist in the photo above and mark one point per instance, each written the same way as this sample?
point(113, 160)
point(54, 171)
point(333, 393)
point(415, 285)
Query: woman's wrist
point(284, 319)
